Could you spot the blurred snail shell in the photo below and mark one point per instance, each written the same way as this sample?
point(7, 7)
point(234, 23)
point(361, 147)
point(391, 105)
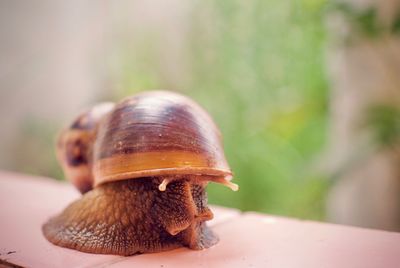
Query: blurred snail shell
point(75, 146)
point(147, 161)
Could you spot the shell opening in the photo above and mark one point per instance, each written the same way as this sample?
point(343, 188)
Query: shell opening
point(233, 186)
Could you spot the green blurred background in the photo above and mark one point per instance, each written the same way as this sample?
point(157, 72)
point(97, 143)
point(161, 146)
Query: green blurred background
point(259, 71)
point(258, 67)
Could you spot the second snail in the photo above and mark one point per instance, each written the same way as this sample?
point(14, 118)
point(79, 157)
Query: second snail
point(142, 166)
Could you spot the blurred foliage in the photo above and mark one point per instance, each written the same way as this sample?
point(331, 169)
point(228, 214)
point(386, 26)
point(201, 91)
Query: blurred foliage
point(36, 148)
point(364, 21)
point(384, 121)
point(396, 25)
point(257, 67)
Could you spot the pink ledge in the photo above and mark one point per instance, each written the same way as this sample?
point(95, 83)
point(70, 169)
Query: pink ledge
point(246, 240)
point(26, 202)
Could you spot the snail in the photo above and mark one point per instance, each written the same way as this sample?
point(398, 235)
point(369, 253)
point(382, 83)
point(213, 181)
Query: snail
point(142, 166)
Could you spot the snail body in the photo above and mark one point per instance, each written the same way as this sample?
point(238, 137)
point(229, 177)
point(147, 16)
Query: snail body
point(148, 160)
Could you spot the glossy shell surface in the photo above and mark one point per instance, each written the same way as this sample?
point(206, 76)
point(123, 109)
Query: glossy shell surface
point(158, 133)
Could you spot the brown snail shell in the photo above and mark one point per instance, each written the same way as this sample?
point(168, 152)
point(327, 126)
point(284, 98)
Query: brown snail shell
point(152, 156)
point(159, 133)
point(75, 146)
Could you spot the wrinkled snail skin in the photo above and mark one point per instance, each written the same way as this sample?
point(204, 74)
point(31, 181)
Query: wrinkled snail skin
point(133, 216)
point(149, 160)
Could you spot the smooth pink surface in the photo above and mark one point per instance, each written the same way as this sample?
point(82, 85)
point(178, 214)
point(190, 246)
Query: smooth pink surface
point(246, 240)
point(26, 202)
point(255, 240)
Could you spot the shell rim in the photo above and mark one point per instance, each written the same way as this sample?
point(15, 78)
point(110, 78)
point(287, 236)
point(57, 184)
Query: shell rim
point(225, 174)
